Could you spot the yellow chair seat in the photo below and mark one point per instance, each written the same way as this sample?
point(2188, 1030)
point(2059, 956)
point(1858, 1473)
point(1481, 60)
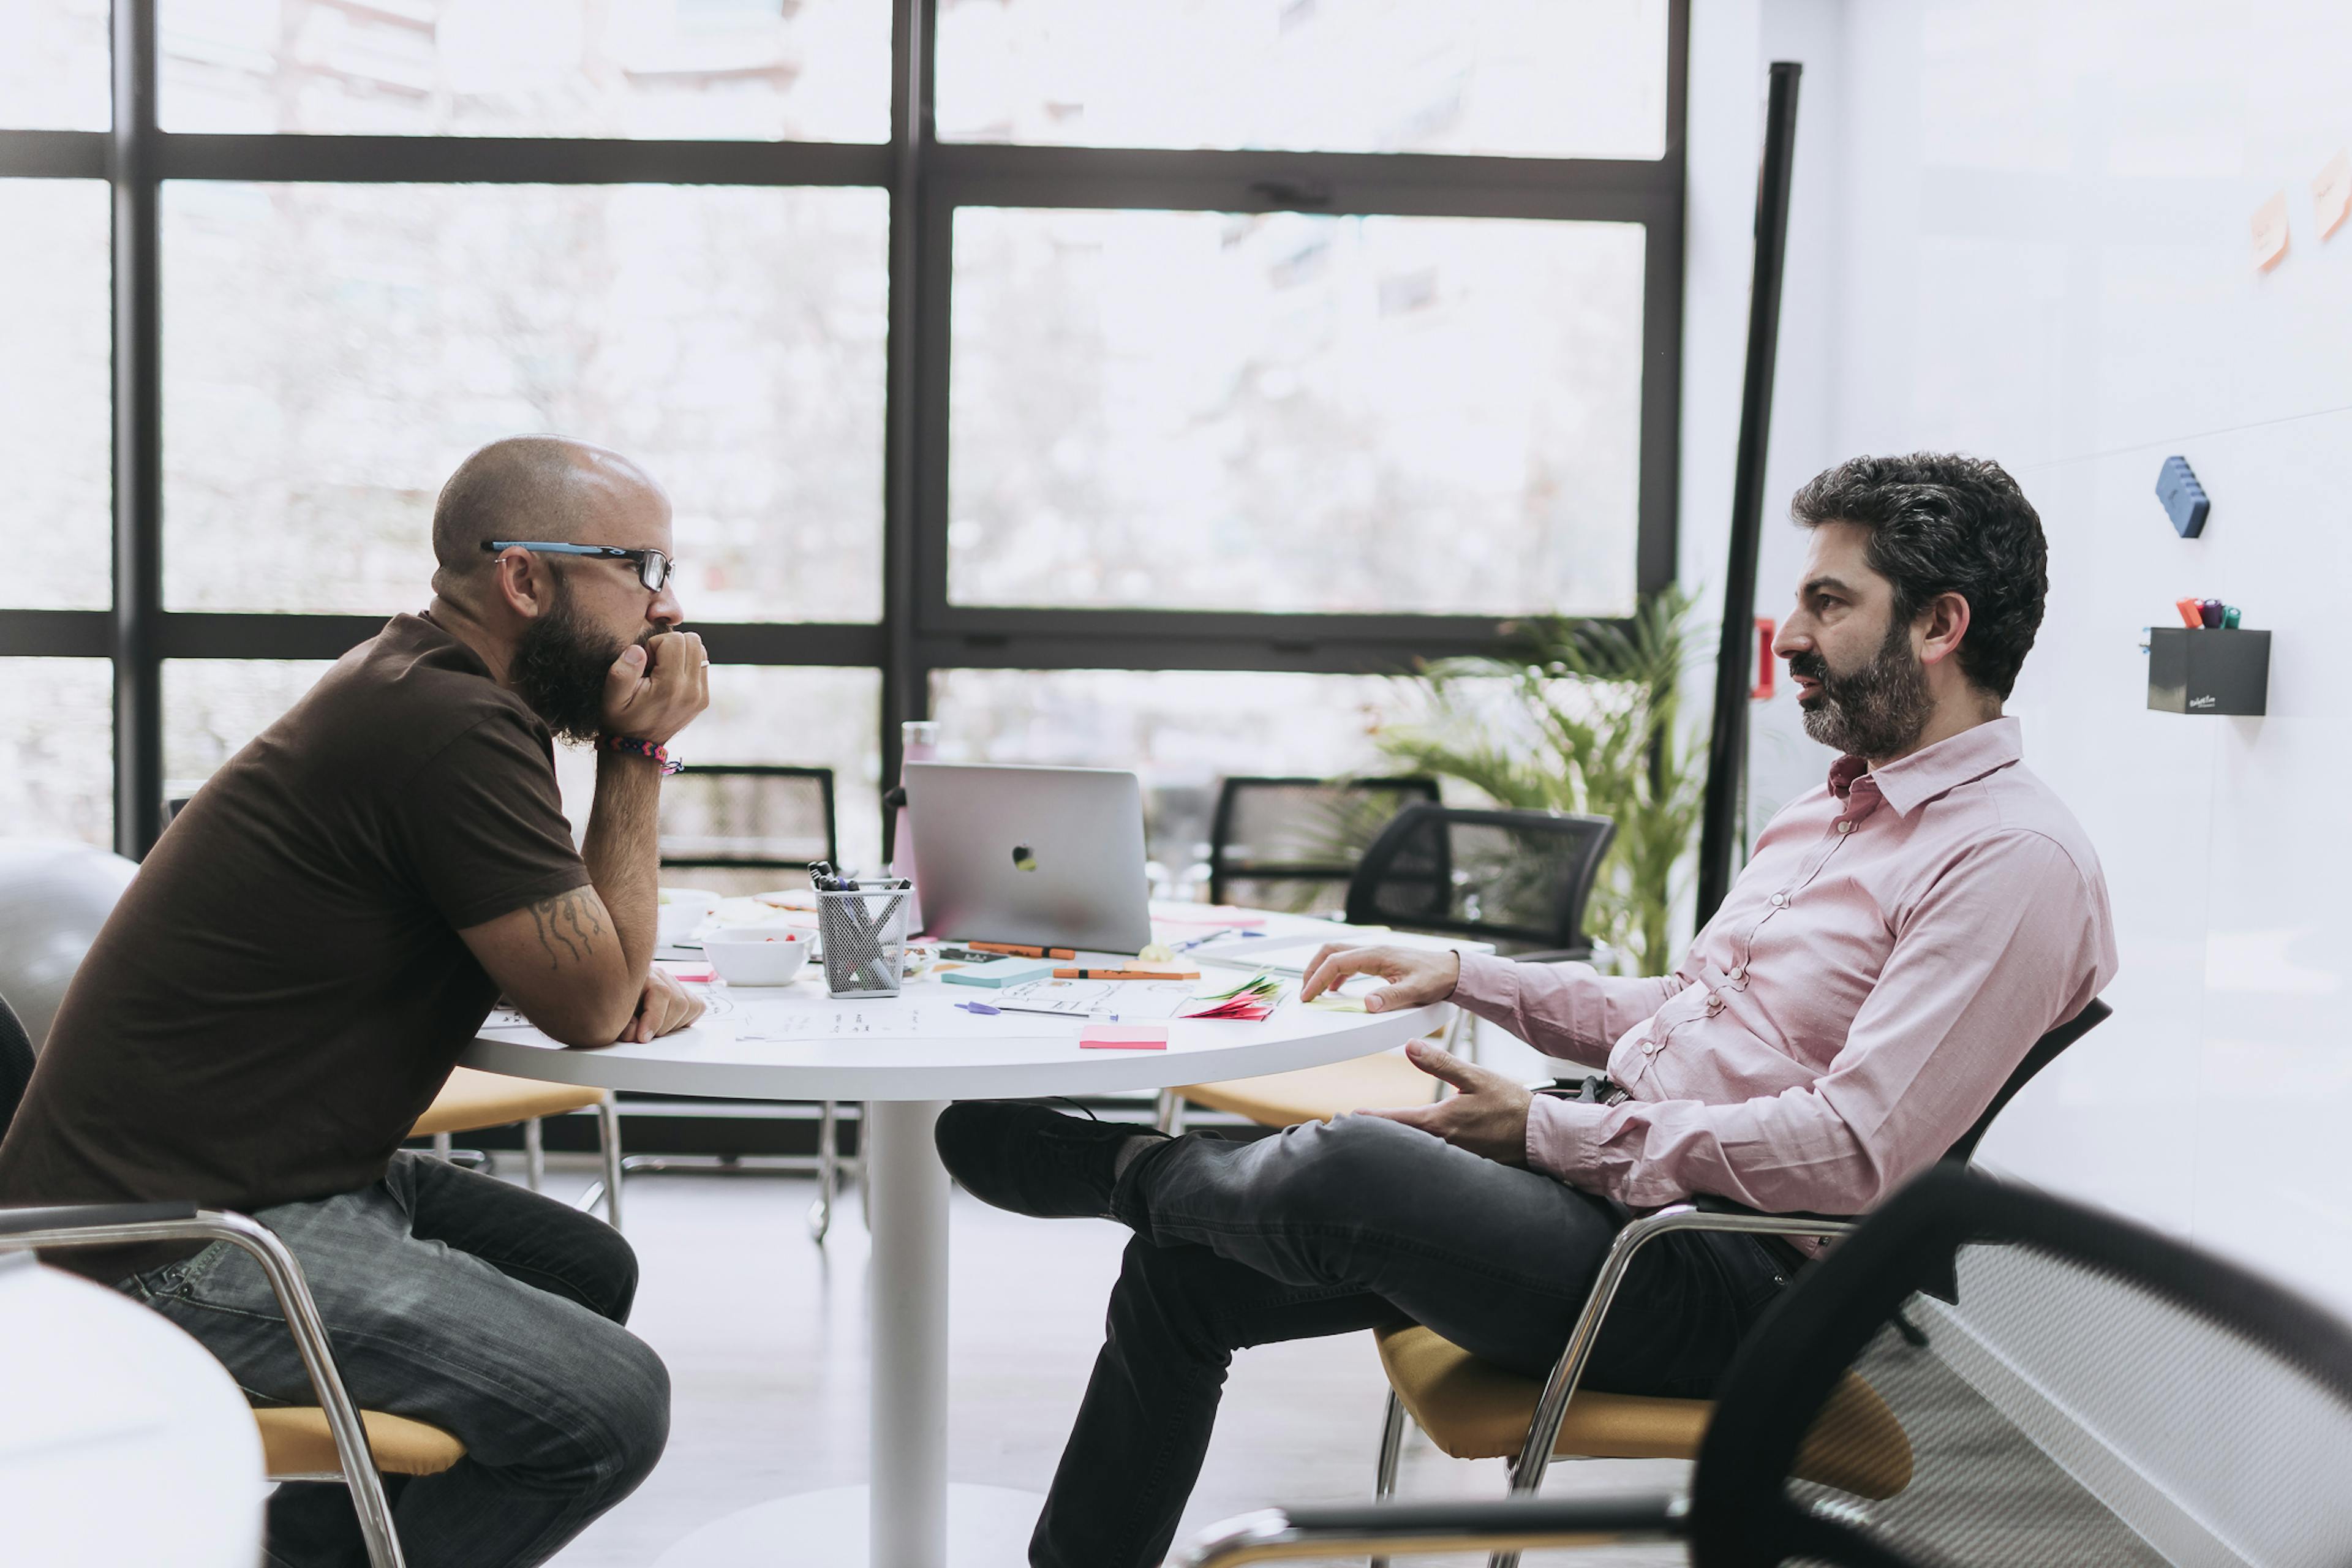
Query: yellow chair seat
point(295, 1441)
point(1318, 1094)
point(472, 1100)
point(1474, 1410)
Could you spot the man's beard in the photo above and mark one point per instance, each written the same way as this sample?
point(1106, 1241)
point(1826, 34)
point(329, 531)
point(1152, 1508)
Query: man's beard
point(1876, 711)
point(560, 667)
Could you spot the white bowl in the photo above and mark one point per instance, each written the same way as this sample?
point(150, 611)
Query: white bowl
point(756, 955)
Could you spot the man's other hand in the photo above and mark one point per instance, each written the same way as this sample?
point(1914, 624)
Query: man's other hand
point(666, 1006)
point(1489, 1116)
point(1415, 976)
point(656, 688)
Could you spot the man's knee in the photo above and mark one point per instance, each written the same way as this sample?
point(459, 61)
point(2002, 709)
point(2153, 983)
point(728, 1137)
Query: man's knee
point(608, 1269)
point(623, 1402)
point(1333, 1172)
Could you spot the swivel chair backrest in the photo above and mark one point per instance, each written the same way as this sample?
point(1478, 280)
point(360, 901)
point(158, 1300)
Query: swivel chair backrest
point(1293, 844)
point(2099, 1393)
point(1518, 878)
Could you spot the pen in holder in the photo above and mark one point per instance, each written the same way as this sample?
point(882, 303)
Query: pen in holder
point(864, 927)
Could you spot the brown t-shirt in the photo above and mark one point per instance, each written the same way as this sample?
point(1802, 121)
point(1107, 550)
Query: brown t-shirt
point(281, 990)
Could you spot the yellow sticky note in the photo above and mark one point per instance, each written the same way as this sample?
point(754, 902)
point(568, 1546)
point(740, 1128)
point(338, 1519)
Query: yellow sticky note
point(2331, 193)
point(2270, 232)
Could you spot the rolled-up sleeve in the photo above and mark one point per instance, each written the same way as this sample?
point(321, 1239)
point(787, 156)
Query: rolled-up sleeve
point(1567, 1010)
point(2002, 947)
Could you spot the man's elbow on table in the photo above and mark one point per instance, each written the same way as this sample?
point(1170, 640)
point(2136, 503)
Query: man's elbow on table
point(559, 962)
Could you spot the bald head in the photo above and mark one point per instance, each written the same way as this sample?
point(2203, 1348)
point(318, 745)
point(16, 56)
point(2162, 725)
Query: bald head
point(547, 488)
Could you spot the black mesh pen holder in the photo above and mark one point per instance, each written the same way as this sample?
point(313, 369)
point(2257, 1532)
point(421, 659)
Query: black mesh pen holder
point(864, 929)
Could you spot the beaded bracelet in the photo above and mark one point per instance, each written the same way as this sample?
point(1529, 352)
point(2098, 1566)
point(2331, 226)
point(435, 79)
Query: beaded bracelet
point(631, 746)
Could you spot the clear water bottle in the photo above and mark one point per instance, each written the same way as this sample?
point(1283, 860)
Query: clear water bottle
point(918, 741)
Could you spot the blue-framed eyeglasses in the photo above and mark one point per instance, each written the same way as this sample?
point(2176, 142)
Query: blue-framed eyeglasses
point(652, 567)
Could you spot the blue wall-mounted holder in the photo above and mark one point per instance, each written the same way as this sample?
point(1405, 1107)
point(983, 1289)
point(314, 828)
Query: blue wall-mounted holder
point(2184, 499)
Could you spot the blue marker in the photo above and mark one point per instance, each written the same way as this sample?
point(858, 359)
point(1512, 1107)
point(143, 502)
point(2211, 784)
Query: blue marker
point(981, 1007)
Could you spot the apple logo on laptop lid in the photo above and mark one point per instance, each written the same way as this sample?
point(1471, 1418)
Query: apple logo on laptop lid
point(1024, 858)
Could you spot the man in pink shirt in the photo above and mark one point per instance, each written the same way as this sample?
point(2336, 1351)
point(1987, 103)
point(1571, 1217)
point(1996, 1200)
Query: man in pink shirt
point(1899, 938)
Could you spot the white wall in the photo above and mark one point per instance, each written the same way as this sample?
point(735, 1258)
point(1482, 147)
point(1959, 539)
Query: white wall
point(2021, 229)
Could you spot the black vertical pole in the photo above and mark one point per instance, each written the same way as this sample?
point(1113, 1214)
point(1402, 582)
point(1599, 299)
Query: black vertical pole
point(137, 438)
point(1727, 762)
point(904, 683)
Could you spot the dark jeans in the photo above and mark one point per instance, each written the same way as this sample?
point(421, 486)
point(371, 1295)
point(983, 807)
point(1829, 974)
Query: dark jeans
point(460, 1301)
point(1325, 1229)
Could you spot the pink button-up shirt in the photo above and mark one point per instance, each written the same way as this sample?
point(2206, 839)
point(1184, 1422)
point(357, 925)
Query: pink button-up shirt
point(1896, 944)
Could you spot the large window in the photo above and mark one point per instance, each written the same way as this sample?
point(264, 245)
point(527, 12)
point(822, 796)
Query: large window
point(1137, 385)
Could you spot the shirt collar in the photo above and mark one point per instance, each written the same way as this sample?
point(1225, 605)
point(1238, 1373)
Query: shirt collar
point(1909, 782)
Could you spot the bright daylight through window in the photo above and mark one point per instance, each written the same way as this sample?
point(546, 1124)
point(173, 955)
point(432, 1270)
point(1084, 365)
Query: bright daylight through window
point(1215, 362)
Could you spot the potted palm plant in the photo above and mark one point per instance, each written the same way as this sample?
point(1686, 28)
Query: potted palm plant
point(1583, 716)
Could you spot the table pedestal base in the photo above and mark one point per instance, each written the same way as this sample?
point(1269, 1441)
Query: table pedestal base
point(988, 1527)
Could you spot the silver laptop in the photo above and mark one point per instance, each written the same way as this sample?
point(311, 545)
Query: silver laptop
point(1048, 857)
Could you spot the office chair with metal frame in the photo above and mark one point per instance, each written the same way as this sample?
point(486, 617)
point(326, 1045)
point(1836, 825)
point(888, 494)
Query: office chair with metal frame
point(747, 817)
point(2095, 1392)
point(1464, 1403)
point(336, 1441)
point(1300, 833)
point(1519, 879)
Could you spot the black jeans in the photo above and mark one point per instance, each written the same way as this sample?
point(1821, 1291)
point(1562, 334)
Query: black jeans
point(460, 1301)
point(1325, 1229)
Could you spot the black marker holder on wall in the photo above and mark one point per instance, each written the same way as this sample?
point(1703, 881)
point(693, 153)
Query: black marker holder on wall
point(2214, 671)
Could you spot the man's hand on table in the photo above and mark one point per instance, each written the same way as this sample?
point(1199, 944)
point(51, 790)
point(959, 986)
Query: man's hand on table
point(1415, 976)
point(665, 1008)
point(1489, 1116)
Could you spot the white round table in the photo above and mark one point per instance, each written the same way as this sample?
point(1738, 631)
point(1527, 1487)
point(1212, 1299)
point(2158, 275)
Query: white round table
point(907, 1057)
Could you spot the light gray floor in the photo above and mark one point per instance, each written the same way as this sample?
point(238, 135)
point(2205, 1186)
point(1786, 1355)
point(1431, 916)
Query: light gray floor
point(764, 1333)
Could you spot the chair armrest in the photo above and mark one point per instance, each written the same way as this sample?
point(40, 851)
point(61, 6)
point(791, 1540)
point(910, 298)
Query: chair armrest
point(1719, 1215)
point(1708, 1202)
point(114, 1225)
point(1510, 1524)
point(80, 1216)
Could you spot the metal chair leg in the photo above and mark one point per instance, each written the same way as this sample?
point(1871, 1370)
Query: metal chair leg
point(441, 1145)
point(1168, 1116)
point(1391, 1448)
point(828, 1171)
point(608, 1134)
point(534, 1156)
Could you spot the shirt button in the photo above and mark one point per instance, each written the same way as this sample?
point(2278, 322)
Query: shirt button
point(1715, 1002)
point(1779, 900)
point(1738, 971)
point(1846, 827)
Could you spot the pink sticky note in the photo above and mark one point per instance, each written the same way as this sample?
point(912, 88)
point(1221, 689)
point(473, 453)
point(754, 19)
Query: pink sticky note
point(1124, 1038)
point(687, 970)
point(2269, 232)
point(2331, 193)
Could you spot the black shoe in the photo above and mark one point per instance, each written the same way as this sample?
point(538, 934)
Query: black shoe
point(1034, 1161)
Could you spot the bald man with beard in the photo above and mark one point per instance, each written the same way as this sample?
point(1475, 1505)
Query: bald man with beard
point(288, 981)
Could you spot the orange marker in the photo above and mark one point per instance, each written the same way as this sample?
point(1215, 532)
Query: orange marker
point(1018, 950)
point(2191, 612)
point(1127, 974)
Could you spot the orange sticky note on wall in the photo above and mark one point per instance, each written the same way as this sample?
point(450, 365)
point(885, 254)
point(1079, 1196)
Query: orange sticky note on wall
point(2270, 232)
point(2331, 193)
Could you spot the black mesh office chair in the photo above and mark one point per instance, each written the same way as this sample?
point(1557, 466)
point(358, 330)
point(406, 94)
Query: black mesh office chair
point(335, 1440)
point(1293, 844)
point(1472, 1409)
point(2091, 1393)
point(736, 827)
point(742, 822)
point(1519, 879)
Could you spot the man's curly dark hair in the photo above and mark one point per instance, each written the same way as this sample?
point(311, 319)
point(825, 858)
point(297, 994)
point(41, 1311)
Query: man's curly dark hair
point(1942, 522)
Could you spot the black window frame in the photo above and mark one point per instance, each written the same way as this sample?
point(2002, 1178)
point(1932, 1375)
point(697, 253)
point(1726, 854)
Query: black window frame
point(920, 630)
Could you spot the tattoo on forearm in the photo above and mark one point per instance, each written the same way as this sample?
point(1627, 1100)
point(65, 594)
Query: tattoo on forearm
point(568, 919)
